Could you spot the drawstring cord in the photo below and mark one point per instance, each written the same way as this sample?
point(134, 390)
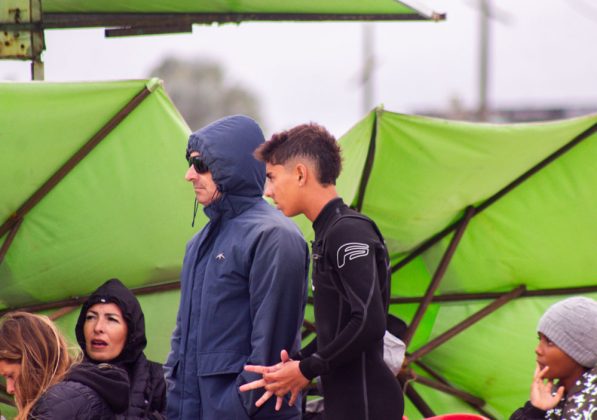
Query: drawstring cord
point(195, 212)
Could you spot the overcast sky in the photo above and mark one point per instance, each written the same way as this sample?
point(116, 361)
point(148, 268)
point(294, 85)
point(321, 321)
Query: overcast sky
point(543, 54)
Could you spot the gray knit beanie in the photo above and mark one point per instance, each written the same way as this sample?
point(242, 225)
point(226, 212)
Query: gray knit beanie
point(571, 324)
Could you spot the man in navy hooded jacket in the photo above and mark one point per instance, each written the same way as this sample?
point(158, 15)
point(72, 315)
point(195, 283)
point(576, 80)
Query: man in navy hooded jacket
point(243, 282)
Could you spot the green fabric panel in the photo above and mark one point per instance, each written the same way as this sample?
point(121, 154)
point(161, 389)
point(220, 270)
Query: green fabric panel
point(542, 234)
point(354, 146)
point(7, 411)
point(412, 280)
point(228, 6)
point(42, 124)
point(125, 211)
point(438, 167)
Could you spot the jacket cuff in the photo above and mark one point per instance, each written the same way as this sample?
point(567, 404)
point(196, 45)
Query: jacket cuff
point(532, 412)
point(313, 366)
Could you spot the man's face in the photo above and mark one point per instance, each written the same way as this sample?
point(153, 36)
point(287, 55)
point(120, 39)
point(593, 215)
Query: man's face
point(548, 354)
point(205, 188)
point(282, 186)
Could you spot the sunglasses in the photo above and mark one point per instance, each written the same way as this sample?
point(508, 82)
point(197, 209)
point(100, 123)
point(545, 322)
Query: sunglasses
point(199, 164)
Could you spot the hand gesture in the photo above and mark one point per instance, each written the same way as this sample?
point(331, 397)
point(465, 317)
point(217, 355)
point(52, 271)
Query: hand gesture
point(260, 383)
point(541, 396)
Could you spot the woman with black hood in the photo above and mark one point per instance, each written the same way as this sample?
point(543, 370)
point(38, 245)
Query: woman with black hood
point(111, 328)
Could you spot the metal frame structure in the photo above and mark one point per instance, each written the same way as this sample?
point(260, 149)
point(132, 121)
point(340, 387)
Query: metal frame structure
point(23, 22)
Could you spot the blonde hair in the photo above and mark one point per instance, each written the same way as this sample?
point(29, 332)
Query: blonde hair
point(34, 342)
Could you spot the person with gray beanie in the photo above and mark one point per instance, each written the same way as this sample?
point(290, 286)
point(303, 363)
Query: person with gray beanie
point(566, 353)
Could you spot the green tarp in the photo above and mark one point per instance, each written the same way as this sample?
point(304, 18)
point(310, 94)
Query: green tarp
point(124, 211)
point(177, 15)
point(236, 6)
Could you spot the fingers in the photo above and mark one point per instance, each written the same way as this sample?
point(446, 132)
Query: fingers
point(284, 357)
point(559, 393)
point(293, 396)
point(266, 396)
point(540, 373)
point(257, 368)
point(279, 401)
point(260, 383)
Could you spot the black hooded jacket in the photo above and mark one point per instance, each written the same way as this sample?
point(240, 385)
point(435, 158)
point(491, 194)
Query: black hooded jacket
point(147, 383)
point(88, 392)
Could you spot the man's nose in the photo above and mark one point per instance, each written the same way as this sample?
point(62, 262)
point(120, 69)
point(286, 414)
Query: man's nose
point(190, 174)
point(10, 386)
point(268, 190)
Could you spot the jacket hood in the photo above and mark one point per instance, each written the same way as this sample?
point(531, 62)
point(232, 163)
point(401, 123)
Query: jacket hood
point(113, 291)
point(227, 147)
point(110, 382)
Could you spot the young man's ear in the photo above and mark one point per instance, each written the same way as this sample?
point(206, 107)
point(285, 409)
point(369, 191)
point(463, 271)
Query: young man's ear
point(301, 174)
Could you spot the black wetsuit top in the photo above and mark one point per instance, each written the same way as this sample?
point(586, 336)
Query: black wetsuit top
point(351, 280)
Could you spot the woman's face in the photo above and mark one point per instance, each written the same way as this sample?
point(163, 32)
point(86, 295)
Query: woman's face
point(105, 331)
point(11, 372)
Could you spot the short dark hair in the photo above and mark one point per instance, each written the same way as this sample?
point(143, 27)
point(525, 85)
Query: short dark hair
point(312, 141)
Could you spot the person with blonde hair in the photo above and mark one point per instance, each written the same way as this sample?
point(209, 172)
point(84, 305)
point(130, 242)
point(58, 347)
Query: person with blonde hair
point(45, 378)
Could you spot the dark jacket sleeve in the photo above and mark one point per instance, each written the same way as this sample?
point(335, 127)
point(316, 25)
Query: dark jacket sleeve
point(158, 385)
point(278, 292)
point(528, 412)
point(69, 400)
point(351, 251)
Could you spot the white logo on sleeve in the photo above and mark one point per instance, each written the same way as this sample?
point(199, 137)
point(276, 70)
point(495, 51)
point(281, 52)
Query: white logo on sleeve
point(351, 250)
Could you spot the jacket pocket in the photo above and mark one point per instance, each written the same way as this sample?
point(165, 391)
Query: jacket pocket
point(220, 363)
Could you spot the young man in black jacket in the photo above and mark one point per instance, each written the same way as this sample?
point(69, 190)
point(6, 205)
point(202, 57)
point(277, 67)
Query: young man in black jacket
point(351, 280)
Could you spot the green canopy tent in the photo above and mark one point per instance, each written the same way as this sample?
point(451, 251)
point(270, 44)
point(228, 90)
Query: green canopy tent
point(487, 225)
point(23, 22)
point(92, 188)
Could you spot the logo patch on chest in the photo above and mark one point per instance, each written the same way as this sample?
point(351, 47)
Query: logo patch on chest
point(350, 251)
point(220, 257)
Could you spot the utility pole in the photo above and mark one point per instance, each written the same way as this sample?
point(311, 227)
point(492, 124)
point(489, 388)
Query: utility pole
point(484, 54)
point(368, 67)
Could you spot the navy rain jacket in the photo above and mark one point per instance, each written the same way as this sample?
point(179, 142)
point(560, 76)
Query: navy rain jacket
point(243, 286)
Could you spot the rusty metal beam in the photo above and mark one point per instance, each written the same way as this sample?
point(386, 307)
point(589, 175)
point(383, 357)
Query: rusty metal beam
point(308, 329)
point(448, 389)
point(10, 238)
point(147, 30)
point(368, 165)
point(175, 20)
point(76, 301)
point(438, 276)
point(414, 396)
point(62, 312)
point(442, 338)
point(443, 380)
point(463, 297)
point(41, 192)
